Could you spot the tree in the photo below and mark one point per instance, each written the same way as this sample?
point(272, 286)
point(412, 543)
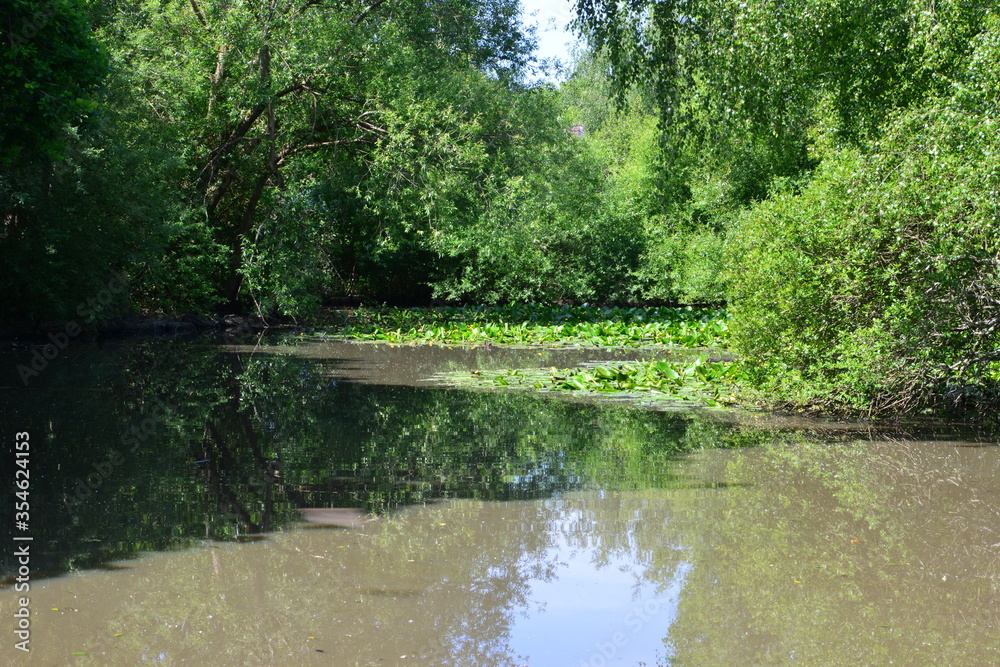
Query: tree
point(740, 84)
point(256, 89)
point(846, 144)
point(52, 249)
point(875, 285)
point(50, 68)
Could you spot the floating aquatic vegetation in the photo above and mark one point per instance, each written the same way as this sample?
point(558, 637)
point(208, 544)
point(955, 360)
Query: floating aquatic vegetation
point(582, 326)
point(702, 381)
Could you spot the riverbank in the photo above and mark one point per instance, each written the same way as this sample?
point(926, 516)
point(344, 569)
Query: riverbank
point(683, 354)
point(86, 328)
point(690, 360)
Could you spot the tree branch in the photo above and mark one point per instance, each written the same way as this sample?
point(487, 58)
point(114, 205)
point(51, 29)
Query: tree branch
point(372, 7)
point(240, 132)
point(201, 17)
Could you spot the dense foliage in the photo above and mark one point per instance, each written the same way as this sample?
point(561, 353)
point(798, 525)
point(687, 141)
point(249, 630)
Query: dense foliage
point(847, 153)
point(827, 168)
point(51, 70)
point(878, 282)
point(267, 156)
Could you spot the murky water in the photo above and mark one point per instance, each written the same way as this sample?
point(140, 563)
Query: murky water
point(192, 504)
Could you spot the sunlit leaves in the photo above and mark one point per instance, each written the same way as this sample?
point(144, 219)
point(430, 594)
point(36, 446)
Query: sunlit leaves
point(875, 284)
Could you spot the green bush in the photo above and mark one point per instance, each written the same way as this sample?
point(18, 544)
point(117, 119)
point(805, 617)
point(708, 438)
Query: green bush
point(876, 287)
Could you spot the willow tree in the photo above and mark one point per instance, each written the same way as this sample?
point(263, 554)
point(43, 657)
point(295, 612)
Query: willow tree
point(744, 81)
point(856, 140)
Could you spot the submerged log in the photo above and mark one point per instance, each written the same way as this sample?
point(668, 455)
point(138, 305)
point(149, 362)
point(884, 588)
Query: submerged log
point(338, 517)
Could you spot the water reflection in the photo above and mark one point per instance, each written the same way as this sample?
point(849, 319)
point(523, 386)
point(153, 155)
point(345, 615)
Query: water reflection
point(457, 583)
point(864, 552)
point(157, 445)
point(612, 595)
point(333, 522)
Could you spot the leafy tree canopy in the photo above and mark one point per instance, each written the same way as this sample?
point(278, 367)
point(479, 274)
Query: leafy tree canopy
point(50, 67)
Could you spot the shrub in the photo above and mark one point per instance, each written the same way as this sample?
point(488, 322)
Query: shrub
point(877, 285)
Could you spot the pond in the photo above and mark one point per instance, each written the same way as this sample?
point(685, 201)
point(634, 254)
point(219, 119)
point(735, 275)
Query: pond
point(275, 502)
